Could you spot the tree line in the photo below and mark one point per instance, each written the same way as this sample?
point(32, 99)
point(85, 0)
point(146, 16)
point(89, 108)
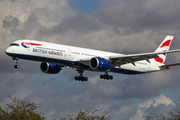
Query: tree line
point(26, 110)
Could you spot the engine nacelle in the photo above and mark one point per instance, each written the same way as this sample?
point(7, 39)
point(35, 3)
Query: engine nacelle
point(99, 63)
point(50, 68)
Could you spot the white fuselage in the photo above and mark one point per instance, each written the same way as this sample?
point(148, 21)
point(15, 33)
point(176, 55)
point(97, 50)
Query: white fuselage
point(74, 57)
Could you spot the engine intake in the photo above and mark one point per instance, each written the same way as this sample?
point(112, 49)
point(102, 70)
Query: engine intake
point(50, 68)
point(99, 63)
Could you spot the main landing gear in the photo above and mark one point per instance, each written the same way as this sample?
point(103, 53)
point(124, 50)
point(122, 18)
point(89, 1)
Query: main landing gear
point(81, 77)
point(106, 76)
point(16, 66)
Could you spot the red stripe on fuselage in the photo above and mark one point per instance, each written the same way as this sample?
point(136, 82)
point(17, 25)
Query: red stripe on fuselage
point(167, 43)
point(26, 43)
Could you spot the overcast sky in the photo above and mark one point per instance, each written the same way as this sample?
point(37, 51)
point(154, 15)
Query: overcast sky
point(122, 26)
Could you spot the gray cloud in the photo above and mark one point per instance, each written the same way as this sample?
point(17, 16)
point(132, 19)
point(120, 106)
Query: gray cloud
point(79, 23)
point(127, 26)
point(140, 14)
point(10, 22)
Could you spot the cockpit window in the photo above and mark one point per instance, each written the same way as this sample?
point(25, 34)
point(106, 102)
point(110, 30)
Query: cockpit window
point(14, 44)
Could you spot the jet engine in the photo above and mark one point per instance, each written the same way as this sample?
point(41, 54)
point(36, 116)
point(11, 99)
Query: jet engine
point(99, 63)
point(50, 68)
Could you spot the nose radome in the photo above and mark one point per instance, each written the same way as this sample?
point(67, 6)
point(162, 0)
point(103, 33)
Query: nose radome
point(9, 50)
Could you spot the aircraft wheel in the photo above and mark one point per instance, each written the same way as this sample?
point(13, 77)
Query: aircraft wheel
point(111, 77)
point(81, 78)
point(101, 76)
point(16, 66)
point(105, 76)
point(76, 78)
point(86, 79)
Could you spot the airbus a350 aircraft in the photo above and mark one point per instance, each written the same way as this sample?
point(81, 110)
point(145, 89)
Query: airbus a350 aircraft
point(54, 56)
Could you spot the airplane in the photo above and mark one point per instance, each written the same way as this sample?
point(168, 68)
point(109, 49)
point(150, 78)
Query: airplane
point(55, 56)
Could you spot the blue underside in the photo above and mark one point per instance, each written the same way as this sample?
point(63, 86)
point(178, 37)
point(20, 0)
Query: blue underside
point(69, 63)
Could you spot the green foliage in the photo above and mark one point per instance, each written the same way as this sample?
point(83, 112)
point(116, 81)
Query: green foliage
point(25, 110)
point(86, 115)
point(19, 110)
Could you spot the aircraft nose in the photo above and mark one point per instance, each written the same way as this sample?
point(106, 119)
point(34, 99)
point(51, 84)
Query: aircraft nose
point(9, 50)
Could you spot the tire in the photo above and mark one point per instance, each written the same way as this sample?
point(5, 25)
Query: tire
point(111, 77)
point(16, 66)
point(101, 76)
point(76, 78)
point(86, 79)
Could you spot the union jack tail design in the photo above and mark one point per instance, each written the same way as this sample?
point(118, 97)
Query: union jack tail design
point(164, 46)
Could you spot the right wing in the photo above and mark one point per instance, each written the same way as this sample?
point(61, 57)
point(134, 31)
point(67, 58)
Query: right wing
point(124, 59)
point(117, 60)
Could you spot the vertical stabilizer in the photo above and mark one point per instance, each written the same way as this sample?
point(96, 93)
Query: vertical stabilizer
point(164, 46)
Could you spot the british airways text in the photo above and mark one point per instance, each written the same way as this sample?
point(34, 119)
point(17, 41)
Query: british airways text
point(50, 52)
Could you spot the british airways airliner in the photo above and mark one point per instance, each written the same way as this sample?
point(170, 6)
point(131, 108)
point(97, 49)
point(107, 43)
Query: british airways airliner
point(55, 56)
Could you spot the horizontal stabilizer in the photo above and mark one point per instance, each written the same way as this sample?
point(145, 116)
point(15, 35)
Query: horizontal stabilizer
point(168, 66)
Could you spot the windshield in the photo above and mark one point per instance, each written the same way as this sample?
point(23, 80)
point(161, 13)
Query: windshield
point(14, 44)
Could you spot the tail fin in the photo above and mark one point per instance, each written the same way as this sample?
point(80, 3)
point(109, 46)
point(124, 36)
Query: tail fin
point(164, 46)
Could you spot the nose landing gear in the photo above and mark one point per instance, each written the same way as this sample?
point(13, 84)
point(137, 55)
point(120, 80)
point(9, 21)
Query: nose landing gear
point(16, 66)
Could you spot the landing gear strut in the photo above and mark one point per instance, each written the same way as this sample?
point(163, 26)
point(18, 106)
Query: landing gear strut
point(16, 66)
point(106, 76)
point(81, 77)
